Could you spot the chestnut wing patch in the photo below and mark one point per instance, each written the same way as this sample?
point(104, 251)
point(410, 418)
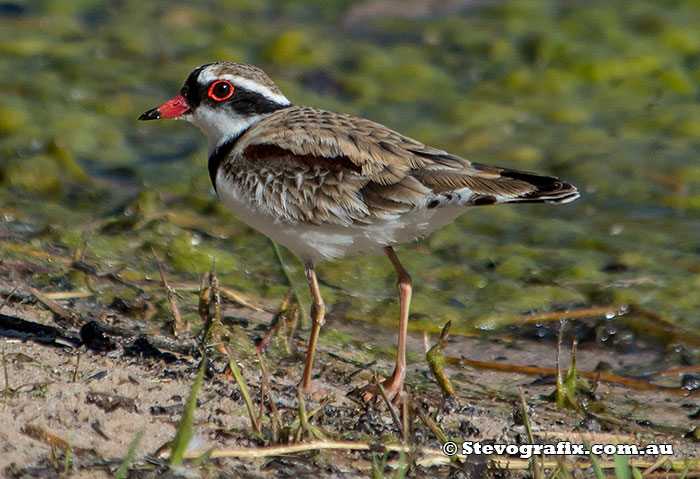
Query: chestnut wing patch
point(266, 151)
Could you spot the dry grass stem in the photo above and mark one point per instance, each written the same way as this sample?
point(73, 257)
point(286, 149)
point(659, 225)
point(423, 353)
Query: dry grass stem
point(428, 421)
point(170, 292)
point(8, 298)
point(277, 419)
point(60, 295)
point(237, 298)
point(390, 407)
point(77, 367)
point(537, 371)
point(53, 306)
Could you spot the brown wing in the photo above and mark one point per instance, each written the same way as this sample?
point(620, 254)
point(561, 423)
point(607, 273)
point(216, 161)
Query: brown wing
point(357, 168)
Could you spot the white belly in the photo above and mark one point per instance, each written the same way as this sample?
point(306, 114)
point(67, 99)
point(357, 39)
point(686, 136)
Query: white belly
point(310, 242)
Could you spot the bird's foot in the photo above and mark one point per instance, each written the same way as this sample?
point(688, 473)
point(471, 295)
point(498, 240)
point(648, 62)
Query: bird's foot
point(393, 389)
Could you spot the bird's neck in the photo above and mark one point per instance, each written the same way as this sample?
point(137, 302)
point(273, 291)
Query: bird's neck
point(220, 127)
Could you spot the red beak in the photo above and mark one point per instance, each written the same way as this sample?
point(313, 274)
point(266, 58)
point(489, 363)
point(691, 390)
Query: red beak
point(174, 108)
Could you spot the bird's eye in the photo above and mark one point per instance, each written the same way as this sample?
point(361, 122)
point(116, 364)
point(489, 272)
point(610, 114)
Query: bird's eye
point(220, 90)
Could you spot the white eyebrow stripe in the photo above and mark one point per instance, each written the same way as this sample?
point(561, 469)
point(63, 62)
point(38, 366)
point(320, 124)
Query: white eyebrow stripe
point(207, 76)
point(258, 88)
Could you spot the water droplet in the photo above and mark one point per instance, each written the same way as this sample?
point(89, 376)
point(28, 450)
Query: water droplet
point(690, 382)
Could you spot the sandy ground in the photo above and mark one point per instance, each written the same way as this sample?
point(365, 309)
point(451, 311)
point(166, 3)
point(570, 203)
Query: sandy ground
point(99, 409)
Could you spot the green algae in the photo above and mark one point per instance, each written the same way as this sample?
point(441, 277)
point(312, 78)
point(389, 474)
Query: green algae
point(602, 95)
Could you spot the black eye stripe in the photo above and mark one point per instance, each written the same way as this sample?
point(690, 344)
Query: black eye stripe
point(244, 102)
point(249, 102)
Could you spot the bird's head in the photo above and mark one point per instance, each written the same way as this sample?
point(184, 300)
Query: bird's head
point(223, 99)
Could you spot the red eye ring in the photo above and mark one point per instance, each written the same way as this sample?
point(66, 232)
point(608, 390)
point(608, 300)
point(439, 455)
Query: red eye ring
point(220, 90)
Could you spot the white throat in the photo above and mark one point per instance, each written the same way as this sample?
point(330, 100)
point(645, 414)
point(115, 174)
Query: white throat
point(219, 126)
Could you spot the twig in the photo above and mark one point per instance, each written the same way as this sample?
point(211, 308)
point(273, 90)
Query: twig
point(188, 287)
point(77, 367)
point(364, 367)
point(55, 308)
point(20, 248)
point(430, 456)
point(428, 421)
point(261, 414)
point(536, 371)
point(170, 293)
point(90, 270)
point(526, 418)
point(80, 250)
point(215, 292)
point(6, 391)
point(59, 295)
point(277, 419)
point(660, 462)
point(9, 297)
point(392, 409)
point(234, 296)
point(47, 437)
point(404, 416)
point(309, 446)
point(536, 472)
point(203, 306)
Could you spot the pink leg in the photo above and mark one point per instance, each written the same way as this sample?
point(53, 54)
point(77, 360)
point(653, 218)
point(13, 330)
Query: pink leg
point(317, 316)
point(394, 384)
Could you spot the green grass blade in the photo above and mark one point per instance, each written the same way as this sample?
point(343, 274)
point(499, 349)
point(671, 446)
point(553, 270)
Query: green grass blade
point(66, 459)
point(599, 474)
point(244, 389)
point(184, 429)
point(129, 458)
point(622, 468)
point(404, 463)
point(378, 468)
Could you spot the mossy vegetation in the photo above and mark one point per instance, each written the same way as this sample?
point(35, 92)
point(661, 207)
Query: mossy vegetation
point(602, 94)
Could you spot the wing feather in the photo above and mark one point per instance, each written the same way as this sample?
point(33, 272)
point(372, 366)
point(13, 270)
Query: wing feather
point(354, 169)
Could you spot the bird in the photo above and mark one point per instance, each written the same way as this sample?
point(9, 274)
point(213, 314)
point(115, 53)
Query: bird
point(326, 185)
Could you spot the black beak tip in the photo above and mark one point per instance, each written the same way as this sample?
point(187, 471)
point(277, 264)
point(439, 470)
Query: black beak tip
point(153, 114)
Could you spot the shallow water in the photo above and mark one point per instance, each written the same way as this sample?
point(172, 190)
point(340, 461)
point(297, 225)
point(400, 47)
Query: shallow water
point(604, 95)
